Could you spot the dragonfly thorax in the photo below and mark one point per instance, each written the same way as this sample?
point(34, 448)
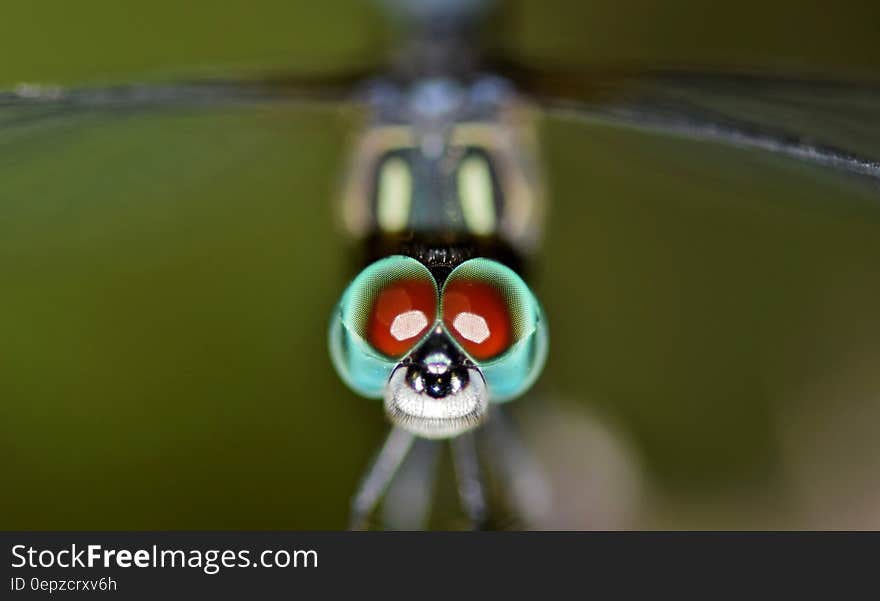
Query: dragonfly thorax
point(441, 158)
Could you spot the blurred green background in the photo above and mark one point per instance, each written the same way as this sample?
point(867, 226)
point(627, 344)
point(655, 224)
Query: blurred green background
point(165, 281)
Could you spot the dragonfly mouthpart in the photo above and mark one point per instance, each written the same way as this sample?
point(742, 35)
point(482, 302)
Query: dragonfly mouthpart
point(436, 392)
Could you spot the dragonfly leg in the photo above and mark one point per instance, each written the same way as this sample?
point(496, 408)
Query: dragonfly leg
point(407, 504)
point(520, 473)
point(471, 487)
point(379, 476)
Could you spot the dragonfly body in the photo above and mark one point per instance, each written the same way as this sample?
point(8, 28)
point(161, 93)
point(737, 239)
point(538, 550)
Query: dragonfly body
point(444, 193)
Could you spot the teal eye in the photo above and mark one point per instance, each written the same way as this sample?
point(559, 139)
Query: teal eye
point(383, 314)
point(496, 319)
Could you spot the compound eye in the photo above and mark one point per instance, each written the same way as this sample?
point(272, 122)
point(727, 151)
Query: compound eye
point(496, 319)
point(391, 305)
point(385, 311)
point(402, 311)
point(478, 315)
point(488, 308)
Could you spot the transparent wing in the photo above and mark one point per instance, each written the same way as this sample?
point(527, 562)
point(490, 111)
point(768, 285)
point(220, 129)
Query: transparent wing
point(34, 104)
point(835, 124)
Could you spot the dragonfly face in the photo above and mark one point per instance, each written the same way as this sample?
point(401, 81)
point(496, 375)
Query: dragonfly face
point(444, 184)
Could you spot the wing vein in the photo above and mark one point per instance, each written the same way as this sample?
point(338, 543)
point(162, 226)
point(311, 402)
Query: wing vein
point(741, 135)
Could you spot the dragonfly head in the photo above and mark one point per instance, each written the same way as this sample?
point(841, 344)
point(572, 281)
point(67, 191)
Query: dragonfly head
point(438, 350)
point(436, 392)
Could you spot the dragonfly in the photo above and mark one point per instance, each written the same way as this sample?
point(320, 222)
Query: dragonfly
point(445, 195)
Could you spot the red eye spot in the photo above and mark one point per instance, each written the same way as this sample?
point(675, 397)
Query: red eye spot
point(401, 313)
point(477, 315)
